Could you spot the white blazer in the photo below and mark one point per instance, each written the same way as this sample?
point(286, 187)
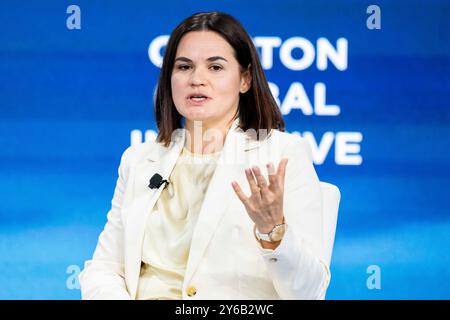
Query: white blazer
point(225, 260)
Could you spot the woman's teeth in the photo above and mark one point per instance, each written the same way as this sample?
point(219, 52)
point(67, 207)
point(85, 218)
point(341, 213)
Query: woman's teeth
point(198, 98)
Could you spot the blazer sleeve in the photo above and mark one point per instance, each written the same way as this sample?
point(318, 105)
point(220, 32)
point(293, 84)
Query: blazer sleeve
point(103, 277)
point(297, 265)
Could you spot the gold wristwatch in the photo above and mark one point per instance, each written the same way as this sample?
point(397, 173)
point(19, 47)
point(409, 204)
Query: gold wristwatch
point(275, 235)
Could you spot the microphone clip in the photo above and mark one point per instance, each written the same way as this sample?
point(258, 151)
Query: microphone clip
point(156, 181)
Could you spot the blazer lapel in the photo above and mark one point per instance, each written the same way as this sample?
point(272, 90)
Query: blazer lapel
point(159, 160)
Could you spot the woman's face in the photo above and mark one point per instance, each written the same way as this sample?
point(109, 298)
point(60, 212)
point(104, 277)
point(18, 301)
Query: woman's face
point(206, 79)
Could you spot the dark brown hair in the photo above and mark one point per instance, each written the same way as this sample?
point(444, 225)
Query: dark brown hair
point(257, 108)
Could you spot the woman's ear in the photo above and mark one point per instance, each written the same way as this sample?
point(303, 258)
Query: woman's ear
point(246, 80)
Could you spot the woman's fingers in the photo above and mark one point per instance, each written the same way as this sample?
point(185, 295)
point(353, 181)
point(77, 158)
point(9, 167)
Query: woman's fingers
point(254, 188)
point(273, 178)
point(262, 183)
point(239, 193)
point(281, 172)
point(258, 183)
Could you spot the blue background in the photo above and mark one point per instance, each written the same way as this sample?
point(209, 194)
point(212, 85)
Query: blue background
point(69, 99)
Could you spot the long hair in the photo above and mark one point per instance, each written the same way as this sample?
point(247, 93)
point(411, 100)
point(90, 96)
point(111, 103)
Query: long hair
point(257, 108)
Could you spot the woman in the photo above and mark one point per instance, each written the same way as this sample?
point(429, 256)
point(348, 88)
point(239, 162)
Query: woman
point(212, 224)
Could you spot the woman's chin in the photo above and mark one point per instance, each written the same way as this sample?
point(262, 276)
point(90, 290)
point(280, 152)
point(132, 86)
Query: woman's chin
point(197, 115)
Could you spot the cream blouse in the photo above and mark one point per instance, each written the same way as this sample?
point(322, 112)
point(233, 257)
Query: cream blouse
point(169, 227)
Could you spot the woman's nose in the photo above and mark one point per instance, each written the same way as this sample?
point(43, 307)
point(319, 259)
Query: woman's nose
point(197, 77)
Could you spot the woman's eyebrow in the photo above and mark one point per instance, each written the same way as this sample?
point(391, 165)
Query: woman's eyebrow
point(214, 58)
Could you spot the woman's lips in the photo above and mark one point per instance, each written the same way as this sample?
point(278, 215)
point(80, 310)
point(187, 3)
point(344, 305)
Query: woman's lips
point(198, 101)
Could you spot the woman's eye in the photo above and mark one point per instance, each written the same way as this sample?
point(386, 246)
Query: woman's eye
point(216, 68)
point(183, 67)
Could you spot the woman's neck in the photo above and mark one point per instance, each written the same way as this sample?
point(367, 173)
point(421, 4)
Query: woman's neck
point(205, 138)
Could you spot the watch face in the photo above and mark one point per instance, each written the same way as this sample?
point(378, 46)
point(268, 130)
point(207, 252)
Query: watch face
point(278, 233)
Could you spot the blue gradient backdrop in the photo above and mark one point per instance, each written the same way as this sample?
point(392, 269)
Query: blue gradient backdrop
point(69, 99)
